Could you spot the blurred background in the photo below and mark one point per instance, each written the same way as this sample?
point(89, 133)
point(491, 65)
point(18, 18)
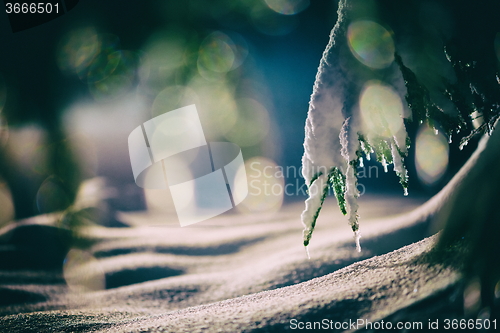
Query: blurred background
point(72, 89)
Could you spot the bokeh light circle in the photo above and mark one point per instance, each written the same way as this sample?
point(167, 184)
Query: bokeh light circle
point(287, 7)
point(381, 110)
point(82, 272)
point(239, 47)
point(173, 97)
point(111, 87)
point(371, 43)
point(431, 155)
point(265, 190)
point(218, 110)
point(78, 50)
point(4, 130)
point(52, 196)
point(103, 66)
point(164, 53)
point(28, 148)
point(6, 205)
point(105, 62)
point(216, 53)
point(252, 123)
point(112, 72)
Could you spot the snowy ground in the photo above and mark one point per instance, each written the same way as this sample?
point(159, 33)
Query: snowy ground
point(232, 273)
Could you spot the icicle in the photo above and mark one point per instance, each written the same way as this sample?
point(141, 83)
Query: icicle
point(357, 236)
point(384, 164)
point(351, 197)
point(399, 168)
point(307, 252)
point(362, 145)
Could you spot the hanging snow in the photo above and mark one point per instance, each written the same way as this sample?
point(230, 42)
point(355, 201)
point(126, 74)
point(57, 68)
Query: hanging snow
point(346, 119)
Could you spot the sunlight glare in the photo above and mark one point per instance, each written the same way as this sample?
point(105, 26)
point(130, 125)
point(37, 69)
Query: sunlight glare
point(172, 98)
point(371, 44)
point(265, 190)
point(287, 7)
point(431, 155)
point(381, 110)
point(252, 124)
point(82, 272)
point(216, 54)
point(6, 205)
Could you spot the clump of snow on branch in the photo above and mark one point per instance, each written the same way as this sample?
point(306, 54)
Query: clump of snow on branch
point(338, 131)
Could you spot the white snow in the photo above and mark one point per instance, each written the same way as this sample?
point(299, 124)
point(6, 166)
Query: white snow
point(351, 197)
point(313, 204)
point(331, 133)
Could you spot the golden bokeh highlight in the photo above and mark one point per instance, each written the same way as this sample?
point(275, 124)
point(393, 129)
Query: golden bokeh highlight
point(216, 54)
point(6, 205)
point(265, 190)
point(371, 43)
point(79, 47)
point(218, 111)
point(27, 147)
point(98, 61)
point(113, 71)
point(106, 61)
point(162, 56)
point(82, 272)
point(112, 87)
point(173, 97)
point(4, 130)
point(431, 155)
point(287, 7)
point(472, 297)
point(381, 110)
point(252, 123)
